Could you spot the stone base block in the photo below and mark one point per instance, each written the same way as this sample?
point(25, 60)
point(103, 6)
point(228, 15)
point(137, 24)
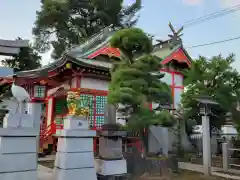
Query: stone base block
point(74, 160)
point(31, 175)
point(113, 167)
point(17, 162)
point(80, 133)
point(75, 123)
point(110, 148)
point(73, 145)
point(18, 132)
point(69, 174)
point(15, 145)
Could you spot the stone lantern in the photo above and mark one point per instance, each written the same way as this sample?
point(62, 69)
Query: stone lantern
point(206, 105)
point(111, 162)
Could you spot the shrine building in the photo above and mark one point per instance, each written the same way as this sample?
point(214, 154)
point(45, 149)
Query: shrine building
point(86, 69)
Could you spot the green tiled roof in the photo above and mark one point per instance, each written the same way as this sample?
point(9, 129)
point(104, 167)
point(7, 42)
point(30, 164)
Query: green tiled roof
point(79, 54)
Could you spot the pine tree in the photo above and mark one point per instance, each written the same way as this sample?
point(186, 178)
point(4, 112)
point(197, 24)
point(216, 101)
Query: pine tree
point(136, 81)
point(64, 23)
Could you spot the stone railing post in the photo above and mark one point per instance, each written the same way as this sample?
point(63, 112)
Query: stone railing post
point(75, 158)
point(18, 150)
point(225, 156)
point(207, 157)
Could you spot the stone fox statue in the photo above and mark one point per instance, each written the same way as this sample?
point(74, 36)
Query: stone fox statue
point(77, 106)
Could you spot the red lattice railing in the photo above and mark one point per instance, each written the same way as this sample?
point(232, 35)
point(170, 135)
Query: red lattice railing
point(49, 131)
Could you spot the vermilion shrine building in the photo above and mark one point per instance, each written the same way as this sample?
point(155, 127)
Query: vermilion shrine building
point(86, 69)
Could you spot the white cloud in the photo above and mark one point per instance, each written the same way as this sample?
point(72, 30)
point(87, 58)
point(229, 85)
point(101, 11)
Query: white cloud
point(192, 2)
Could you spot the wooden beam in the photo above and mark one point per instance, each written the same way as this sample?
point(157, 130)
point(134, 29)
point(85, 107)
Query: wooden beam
point(21, 81)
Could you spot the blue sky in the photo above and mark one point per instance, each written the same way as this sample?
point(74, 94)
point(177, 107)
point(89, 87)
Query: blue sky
point(17, 18)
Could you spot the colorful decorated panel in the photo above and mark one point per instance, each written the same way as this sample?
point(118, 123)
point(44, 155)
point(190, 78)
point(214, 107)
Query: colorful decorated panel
point(101, 101)
point(39, 91)
point(97, 108)
point(59, 121)
point(61, 107)
point(90, 99)
point(100, 104)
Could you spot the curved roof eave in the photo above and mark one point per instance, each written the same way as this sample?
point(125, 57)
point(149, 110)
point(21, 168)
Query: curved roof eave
point(41, 70)
point(56, 64)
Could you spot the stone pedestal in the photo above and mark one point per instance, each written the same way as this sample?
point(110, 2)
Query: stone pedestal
point(74, 158)
point(111, 163)
point(34, 109)
point(18, 154)
point(225, 156)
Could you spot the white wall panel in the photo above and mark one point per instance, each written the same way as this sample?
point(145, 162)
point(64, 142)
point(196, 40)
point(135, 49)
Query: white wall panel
point(92, 83)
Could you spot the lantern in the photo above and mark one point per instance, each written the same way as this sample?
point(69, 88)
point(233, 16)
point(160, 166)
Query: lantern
point(69, 66)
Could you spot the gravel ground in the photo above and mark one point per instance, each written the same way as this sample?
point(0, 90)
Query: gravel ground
point(184, 175)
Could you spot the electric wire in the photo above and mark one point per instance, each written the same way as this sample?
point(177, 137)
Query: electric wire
point(208, 17)
point(212, 43)
point(211, 16)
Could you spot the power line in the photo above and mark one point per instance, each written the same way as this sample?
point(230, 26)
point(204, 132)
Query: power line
point(212, 16)
point(216, 42)
point(208, 17)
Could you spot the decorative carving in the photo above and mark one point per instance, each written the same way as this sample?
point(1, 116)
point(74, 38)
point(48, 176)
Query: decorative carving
point(77, 106)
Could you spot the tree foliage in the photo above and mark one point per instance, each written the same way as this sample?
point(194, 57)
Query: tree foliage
point(216, 78)
point(136, 80)
point(27, 59)
point(65, 23)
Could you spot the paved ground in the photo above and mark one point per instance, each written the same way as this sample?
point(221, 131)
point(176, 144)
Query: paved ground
point(44, 173)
